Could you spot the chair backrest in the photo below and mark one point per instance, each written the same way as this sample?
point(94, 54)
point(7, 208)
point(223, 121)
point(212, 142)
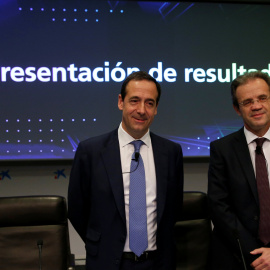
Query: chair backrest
point(193, 232)
point(27, 221)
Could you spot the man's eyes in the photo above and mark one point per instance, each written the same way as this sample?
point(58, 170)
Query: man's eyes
point(263, 98)
point(148, 103)
point(133, 100)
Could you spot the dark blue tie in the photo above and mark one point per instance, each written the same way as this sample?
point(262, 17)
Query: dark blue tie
point(138, 241)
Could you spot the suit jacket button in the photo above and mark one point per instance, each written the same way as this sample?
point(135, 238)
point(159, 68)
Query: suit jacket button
point(117, 261)
point(256, 218)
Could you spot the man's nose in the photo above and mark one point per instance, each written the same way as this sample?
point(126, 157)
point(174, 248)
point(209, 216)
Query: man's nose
point(141, 108)
point(256, 104)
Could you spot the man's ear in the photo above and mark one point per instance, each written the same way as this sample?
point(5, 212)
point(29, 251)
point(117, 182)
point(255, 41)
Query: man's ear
point(156, 110)
point(120, 102)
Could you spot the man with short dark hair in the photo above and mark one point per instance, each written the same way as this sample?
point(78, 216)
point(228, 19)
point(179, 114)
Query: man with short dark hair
point(126, 187)
point(238, 181)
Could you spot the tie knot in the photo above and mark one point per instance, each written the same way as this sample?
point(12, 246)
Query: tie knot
point(260, 141)
point(137, 145)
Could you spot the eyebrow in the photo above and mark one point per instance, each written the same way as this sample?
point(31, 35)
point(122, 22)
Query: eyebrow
point(148, 99)
point(262, 95)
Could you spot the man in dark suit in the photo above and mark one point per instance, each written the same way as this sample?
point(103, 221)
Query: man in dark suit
point(98, 196)
point(236, 202)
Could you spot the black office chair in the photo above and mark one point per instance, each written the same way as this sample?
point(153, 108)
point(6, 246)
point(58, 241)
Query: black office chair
point(193, 232)
point(34, 233)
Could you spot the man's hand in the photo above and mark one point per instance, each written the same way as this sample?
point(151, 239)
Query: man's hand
point(263, 262)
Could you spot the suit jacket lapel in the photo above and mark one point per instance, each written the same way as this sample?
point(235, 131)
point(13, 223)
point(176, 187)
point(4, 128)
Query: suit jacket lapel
point(161, 165)
point(242, 152)
point(112, 162)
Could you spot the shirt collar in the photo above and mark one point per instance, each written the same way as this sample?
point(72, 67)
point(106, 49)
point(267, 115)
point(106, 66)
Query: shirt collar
point(125, 138)
point(250, 137)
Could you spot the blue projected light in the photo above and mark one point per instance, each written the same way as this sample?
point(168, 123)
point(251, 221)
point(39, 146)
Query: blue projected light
point(64, 10)
point(28, 145)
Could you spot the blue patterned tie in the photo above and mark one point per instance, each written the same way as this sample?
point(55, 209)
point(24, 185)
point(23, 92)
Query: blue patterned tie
point(138, 241)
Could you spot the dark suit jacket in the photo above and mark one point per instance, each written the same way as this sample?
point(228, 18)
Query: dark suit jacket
point(96, 199)
point(233, 201)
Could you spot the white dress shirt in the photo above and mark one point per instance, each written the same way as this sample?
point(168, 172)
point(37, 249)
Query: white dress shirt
point(250, 137)
point(146, 151)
